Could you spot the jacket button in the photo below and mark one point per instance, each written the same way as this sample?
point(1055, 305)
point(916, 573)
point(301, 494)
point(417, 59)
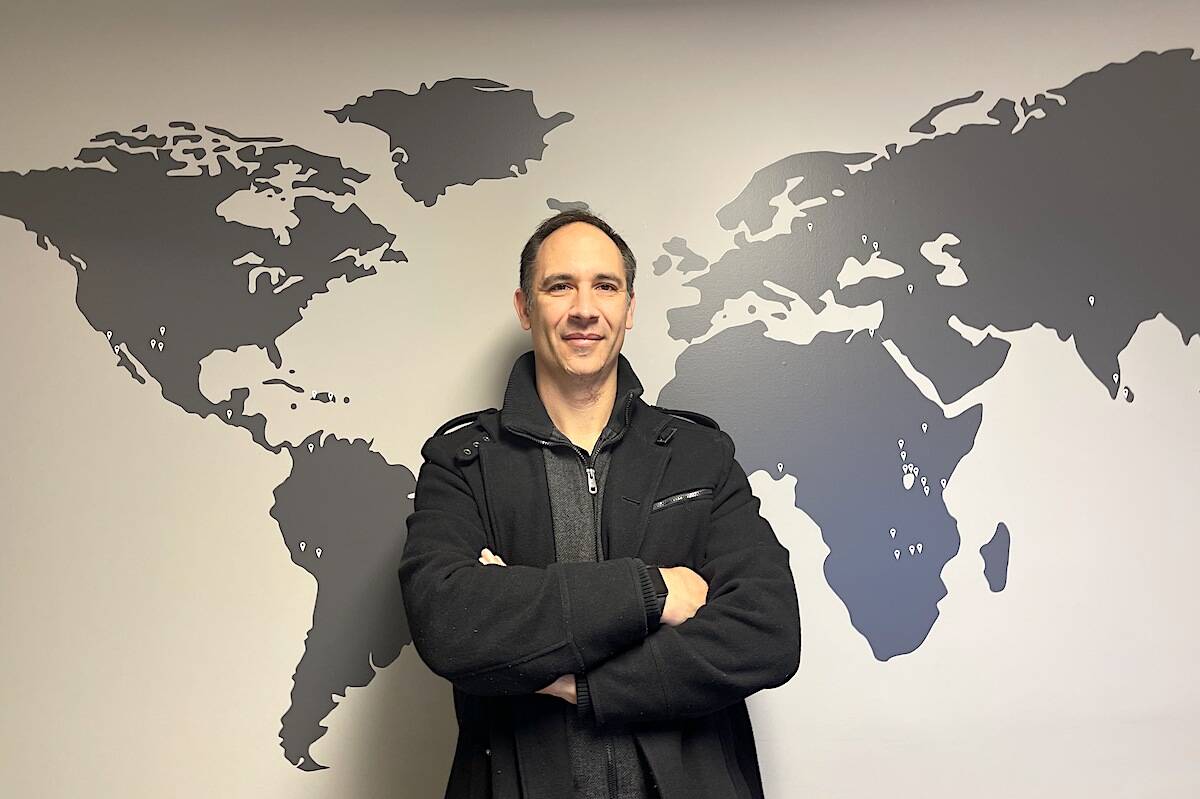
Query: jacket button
point(466, 451)
point(485, 438)
point(487, 752)
point(476, 444)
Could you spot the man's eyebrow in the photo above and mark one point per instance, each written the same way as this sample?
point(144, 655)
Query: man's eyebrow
point(551, 279)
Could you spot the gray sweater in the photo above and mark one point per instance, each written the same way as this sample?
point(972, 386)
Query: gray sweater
point(604, 764)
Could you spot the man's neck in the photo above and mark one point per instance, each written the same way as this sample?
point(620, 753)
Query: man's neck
point(579, 407)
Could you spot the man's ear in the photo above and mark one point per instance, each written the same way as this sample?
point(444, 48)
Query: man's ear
point(629, 314)
point(519, 306)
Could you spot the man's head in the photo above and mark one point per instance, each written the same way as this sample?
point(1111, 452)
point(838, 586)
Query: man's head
point(576, 296)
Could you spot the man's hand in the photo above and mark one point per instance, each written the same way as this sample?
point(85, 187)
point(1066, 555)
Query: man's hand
point(563, 688)
point(487, 558)
point(686, 593)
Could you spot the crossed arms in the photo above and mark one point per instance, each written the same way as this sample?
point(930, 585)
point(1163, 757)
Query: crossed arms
point(520, 629)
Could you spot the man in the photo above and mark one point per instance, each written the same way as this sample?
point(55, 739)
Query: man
point(589, 571)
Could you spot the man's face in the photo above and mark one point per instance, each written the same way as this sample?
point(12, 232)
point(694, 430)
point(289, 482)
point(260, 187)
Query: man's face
point(578, 312)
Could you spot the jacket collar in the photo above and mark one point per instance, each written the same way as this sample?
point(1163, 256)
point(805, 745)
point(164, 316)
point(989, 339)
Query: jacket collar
point(524, 412)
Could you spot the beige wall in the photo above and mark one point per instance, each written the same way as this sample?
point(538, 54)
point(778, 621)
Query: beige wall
point(152, 619)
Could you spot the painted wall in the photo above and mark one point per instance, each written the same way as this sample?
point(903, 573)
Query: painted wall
point(251, 258)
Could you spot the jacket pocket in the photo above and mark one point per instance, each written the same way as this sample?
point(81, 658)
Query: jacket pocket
point(675, 499)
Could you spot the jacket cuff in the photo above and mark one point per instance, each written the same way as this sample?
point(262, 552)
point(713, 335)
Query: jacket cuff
point(649, 595)
point(583, 700)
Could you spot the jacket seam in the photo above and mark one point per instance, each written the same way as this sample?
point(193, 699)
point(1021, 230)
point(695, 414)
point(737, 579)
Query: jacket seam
point(515, 661)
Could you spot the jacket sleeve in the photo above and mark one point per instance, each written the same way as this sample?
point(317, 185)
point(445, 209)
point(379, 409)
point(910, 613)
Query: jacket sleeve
point(494, 630)
point(745, 637)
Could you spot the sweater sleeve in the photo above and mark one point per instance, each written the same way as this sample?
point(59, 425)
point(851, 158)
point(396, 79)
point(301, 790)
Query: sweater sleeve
point(495, 630)
point(745, 637)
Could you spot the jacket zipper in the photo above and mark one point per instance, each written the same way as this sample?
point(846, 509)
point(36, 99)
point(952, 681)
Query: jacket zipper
point(590, 470)
point(677, 498)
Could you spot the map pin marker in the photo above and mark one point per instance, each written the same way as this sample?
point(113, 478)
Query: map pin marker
point(109, 334)
point(779, 466)
point(910, 288)
point(924, 427)
point(924, 481)
point(896, 552)
point(916, 469)
point(926, 490)
point(912, 550)
point(153, 343)
point(302, 546)
point(903, 455)
point(310, 447)
point(1116, 377)
point(871, 331)
point(864, 238)
point(918, 547)
point(160, 346)
point(892, 532)
point(162, 330)
point(1092, 300)
point(875, 246)
point(117, 349)
point(810, 225)
point(228, 413)
point(943, 482)
point(900, 443)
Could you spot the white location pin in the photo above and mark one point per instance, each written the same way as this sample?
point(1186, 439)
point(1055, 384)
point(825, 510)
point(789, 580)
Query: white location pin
point(162, 331)
point(908, 480)
point(1116, 378)
point(779, 466)
point(903, 455)
point(896, 552)
point(310, 447)
point(109, 334)
point(1092, 299)
point(810, 225)
point(1126, 390)
point(912, 550)
point(924, 427)
point(228, 413)
point(871, 332)
point(875, 246)
point(160, 346)
point(153, 343)
point(943, 482)
point(892, 532)
point(864, 238)
point(926, 490)
point(302, 545)
point(116, 349)
point(910, 288)
point(916, 469)
point(918, 547)
point(317, 551)
point(900, 443)
point(924, 481)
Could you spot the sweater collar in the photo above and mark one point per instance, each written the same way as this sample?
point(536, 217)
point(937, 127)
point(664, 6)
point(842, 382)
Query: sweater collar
point(524, 412)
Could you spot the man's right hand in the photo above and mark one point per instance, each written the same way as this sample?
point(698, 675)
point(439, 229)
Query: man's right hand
point(686, 593)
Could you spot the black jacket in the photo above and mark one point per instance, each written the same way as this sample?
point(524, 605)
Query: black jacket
point(675, 495)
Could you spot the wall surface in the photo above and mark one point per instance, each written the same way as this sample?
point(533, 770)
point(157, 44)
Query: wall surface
point(932, 266)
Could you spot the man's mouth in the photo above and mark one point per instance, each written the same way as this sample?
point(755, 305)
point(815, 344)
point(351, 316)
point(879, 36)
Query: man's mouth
point(583, 337)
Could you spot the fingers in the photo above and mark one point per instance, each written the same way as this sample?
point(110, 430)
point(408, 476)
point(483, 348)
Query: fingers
point(487, 557)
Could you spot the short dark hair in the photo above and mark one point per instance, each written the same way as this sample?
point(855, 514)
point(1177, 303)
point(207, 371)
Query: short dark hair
point(529, 252)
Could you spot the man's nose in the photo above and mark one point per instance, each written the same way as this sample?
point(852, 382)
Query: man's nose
point(585, 304)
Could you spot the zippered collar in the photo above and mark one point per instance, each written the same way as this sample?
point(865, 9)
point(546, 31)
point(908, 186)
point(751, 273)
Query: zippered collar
point(524, 413)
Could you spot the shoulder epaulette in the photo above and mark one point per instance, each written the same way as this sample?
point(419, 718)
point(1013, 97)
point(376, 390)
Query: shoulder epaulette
point(459, 420)
point(693, 416)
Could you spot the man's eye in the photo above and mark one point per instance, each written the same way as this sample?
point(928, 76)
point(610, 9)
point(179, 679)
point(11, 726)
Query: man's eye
point(558, 286)
point(608, 286)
